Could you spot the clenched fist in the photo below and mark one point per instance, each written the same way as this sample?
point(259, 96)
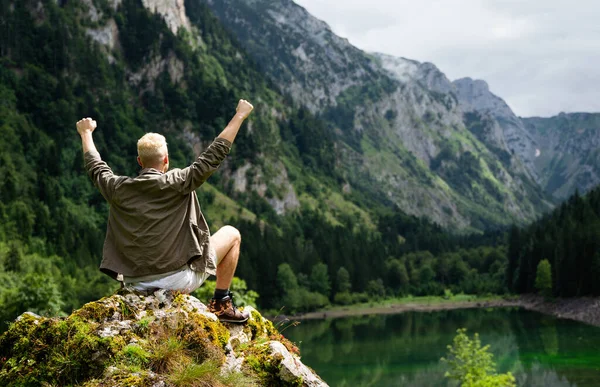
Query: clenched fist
point(86, 125)
point(244, 108)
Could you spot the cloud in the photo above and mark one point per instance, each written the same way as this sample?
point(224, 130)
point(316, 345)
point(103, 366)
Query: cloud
point(541, 57)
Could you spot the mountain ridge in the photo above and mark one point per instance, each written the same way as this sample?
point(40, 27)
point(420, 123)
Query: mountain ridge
point(391, 127)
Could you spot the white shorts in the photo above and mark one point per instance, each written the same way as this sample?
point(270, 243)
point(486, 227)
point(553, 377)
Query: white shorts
point(183, 279)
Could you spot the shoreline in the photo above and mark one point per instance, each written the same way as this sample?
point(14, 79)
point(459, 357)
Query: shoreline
point(395, 308)
point(583, 309)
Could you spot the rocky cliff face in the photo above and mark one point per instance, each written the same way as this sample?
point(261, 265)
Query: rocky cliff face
point(560, 152)
point(318, 65)
point(475, 96)
point(567, 152)
point(399, 124)
point(173, 12)
point(408, 70)
point(159, 340)
point(499, 128)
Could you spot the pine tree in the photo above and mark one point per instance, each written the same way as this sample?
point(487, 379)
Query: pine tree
point(319, 279)
point(13, 258)
point(343, 280)
point(513, 257)
point(543, 279)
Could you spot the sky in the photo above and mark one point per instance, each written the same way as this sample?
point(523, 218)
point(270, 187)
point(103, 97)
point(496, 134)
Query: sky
point(541, 56)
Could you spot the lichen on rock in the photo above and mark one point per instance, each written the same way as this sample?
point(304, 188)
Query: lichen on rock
point(165, 339)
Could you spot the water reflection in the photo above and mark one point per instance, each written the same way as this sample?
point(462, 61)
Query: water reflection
point(404, 349)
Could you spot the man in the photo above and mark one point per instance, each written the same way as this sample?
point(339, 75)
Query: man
point(157, 237)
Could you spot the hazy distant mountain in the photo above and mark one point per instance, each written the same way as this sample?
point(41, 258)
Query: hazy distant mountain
point(567, 153)
point(560, 153)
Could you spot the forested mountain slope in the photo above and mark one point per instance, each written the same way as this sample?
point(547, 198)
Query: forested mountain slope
point(180, 73)
point(569, 238)
point(397, 124)
point(123, 65)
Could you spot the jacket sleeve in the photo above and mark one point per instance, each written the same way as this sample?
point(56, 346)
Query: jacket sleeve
point(190, 178)
point(102, 176)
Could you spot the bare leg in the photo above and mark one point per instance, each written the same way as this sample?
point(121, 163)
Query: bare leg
point(226, 243)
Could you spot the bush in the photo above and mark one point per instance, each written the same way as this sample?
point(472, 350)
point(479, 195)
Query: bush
point(375, 288)
point(343, 298)
point(303, 300)
point(472, 365)
point(358, 298)
point(33, 292)
point(448, 294)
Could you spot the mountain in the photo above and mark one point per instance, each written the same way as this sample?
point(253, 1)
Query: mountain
point(475, 96)
point(317, 70)
point(399, 125)
point(558, 153)
point(567, 152)
point(171, 67)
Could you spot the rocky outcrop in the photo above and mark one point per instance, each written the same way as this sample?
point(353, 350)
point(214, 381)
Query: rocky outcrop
point(403, 69)
point(283, 200)
point(165, 339)
point(154, 67)
point(107, 35)
point(475, 96)
point(409, 70)
point(173, 11)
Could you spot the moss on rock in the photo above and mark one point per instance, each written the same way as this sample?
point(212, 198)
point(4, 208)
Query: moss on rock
point(260, 326)
point(55, 351)
point(205, 336)
point(266, 367)
point(95, 311)
point(126, 340)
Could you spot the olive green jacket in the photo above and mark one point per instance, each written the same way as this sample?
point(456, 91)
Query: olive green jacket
point(155, 224)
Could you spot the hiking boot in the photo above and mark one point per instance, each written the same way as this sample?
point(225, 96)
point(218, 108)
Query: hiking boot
point(226, 311)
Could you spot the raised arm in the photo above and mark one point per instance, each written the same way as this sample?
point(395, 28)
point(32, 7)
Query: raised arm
point(85, 128)
point(243, 110)
point(100, 173)
point(188, 179)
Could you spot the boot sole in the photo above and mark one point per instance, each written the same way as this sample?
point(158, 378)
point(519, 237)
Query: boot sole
point(233, 321)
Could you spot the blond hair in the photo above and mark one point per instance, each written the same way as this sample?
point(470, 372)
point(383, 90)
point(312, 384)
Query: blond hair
point(151, 148)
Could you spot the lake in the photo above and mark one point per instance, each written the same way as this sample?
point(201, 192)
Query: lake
point(405, 349)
